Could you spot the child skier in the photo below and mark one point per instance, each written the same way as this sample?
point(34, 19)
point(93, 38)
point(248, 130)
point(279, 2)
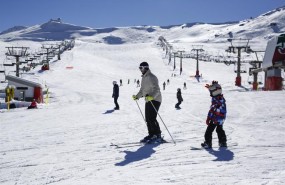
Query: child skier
point(216, 116)
point(33, 105)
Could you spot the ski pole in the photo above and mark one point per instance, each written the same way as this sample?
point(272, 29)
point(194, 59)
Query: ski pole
point(140, 111)
point(162, 122)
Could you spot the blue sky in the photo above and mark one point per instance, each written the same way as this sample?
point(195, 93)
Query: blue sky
point(120, 13)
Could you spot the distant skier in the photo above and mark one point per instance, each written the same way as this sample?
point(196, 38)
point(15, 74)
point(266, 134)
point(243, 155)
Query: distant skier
point(164, 85)
point(168, 82)
point(184, 86)
point(216, 116)
point(179, 98)
point(33, 105)
point(116, 95)
point(138, 83)
point(151, 91)
point(121, 82)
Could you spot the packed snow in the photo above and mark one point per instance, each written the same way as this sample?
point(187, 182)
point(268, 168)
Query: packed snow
point(67, 140)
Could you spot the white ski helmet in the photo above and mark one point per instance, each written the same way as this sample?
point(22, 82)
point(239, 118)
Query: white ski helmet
point(215, 89)
point(114, 82)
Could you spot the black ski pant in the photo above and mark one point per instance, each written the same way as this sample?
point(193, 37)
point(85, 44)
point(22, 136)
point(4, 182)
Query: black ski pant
point(116, 102)
point(220, 131)
point(150, 117)
point(178, 104)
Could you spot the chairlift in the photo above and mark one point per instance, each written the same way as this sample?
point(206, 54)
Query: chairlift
point(23, 62)
point(4, 74)
point(250, 79)
point(29, 60)
point(8, 64)
point(243, 68)
point(259, 80)
point(209, 59)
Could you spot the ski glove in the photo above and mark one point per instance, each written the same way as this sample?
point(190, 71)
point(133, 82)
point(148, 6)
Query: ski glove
point(148, 98)
point(208, 121)
point(135, 97)
point(207, 86)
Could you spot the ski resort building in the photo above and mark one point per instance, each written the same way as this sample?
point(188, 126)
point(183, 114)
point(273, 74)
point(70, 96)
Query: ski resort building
point(25, 90)
point(273, 64)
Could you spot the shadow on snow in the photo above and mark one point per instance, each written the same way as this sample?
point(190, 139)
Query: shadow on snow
point(143, 152)
point(223, 154)
point(109, 111)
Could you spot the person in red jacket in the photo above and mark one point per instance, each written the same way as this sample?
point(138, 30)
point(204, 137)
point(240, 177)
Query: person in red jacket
point(33, 105)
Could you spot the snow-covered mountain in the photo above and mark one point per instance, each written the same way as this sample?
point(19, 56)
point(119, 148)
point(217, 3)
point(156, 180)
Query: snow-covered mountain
point(262, 27)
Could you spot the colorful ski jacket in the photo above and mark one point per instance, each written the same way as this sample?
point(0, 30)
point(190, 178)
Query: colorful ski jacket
point(218, 110)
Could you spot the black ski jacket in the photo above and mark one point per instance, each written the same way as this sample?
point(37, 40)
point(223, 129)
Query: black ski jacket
point(115, 91)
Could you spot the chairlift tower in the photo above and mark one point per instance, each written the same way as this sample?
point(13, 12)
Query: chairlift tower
point(58, 54)
point(180, 56)
point(239, 44)
point(197, 49)
point(169, 54)
point(17, 52)
point(174, 55)
point(255, 74)
point(49, 49)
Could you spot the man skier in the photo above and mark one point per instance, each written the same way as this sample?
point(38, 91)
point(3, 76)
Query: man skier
point(151, 91)
point(116, 95)
point(216, 116)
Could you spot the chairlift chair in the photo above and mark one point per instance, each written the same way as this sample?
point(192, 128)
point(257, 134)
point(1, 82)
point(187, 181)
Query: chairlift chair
point(250, 79)
point(9, 64)
point(243, 68)
point(259, 80)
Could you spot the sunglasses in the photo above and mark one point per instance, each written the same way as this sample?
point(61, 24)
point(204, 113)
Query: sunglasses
point(143, 67)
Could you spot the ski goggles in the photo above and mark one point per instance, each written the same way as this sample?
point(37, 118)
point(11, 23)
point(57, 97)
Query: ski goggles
point(143, 67)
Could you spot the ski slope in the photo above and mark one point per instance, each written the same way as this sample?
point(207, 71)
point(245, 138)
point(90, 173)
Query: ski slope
point(67, 141)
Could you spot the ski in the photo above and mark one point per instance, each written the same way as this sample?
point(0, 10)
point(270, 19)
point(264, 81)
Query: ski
point(133, 144)
point(126, 145)
point(201, 148)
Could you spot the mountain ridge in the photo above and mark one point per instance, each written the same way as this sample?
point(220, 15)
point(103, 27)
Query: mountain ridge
point(264, 26)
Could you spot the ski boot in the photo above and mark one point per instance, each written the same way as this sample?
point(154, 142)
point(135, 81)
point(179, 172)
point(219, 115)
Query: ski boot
point(206, 145)
point(155, 139)
point(145, 139)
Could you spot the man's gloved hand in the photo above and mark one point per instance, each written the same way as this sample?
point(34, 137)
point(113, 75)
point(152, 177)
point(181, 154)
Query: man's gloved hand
point(135, 97)
point(148, 98)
